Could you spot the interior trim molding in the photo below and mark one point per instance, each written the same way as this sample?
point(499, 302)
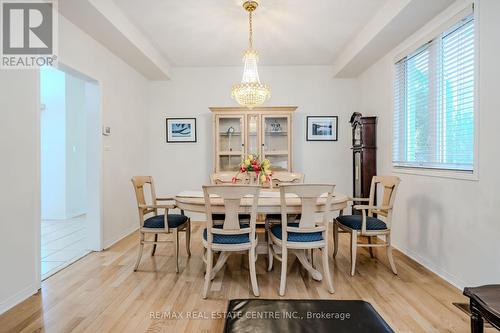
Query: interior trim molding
point(19, 297)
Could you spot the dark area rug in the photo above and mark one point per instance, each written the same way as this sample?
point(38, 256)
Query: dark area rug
point(318, 316)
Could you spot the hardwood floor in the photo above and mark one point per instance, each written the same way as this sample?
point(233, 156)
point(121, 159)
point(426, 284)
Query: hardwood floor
point(101, 293)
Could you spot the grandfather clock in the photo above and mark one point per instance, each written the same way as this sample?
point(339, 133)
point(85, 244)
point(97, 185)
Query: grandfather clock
point(364, 154)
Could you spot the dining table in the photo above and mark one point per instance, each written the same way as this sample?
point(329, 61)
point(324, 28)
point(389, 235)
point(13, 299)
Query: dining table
point(269, 202)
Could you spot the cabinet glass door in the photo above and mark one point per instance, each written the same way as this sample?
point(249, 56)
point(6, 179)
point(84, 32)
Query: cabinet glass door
point(230, 142)
point(275, 141)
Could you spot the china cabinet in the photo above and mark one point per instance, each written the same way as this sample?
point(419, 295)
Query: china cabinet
point(265, 131)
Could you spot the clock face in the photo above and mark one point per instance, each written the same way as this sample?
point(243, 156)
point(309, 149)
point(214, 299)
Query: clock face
point(357, 135)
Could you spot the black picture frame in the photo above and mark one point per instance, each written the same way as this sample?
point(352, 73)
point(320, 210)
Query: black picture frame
point(315, 137)
point(170, 137)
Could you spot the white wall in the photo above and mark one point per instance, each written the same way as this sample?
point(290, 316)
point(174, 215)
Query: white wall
point(449, 225)
point(186, 166)
point(76, 147)
point(123, 97)
point(19, 201)
point(53, 143)
point(123, 109)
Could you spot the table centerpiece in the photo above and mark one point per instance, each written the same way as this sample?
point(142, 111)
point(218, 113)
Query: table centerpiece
point(257, 171)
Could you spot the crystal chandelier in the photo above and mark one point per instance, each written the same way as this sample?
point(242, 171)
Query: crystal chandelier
point(250, 92)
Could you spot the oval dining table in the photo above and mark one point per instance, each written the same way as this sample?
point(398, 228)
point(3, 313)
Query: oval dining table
point(269, 203)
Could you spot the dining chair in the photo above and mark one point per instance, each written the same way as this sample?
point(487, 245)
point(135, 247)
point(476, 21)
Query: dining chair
point(310, 232)
point(368, 224)
point(283, 177)
point(221, 178)
point(158, 223)
point(233, 235)
point(279, 178)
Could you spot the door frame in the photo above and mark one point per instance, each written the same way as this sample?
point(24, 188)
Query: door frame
point(96, 241)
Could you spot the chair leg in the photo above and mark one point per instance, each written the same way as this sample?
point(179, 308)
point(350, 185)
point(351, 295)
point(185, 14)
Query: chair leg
point(284, 259)
point(354, 247)
point(370, 248)
point(176, 249)
point(154, 246)
point(270, 256)
point(139, 255)
point(389, 254)
point(326, 270)
point(312, 257)
point(188, 238)
point(476, 322)
point(335, 238)
point(208, 273)
point(253, 274)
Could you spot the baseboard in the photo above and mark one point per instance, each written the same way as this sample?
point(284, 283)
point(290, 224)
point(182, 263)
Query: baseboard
point(450, 278)
point(19, 297)
point(109, 243)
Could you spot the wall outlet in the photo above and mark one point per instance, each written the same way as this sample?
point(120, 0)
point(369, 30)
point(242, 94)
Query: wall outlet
point(106, 131)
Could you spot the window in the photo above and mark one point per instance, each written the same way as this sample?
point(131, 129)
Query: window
point(434, 103)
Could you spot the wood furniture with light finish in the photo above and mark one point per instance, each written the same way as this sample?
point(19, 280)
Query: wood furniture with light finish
point(265, 131)
point(366, 225)
point(96, 293)
point(282, 177)
point(309, 233)
point(269, 203)
point(219, 178)
point(484, 303)
point(278, 179)
point(232, 235)
point(158, 224)
point(364, 154)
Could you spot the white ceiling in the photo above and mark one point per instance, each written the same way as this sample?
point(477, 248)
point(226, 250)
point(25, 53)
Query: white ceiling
point(215, 32)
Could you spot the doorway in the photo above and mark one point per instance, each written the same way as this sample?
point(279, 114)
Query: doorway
point(70, 168)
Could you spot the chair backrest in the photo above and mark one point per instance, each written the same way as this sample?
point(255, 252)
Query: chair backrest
point(315, 199)
point(139, 183)
point(227, 178)
point(389, 187)
point(232, 197)
point(279, 178)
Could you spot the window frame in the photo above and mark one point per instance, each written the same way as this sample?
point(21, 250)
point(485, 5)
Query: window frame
point(449, 22)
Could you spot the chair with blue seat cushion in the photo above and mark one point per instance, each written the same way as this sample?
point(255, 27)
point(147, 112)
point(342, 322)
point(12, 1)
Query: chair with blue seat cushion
point(296, 236)
point(302, 237)
point(232, 235)
point(158, 223)
point(366, 224)
point(222, 217)
point(356, 221)
point(229, 239)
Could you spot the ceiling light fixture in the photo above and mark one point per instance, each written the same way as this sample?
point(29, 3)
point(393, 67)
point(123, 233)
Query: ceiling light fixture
point(250, 92)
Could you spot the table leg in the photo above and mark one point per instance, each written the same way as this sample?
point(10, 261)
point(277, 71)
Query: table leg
point(316, 275)
point(220, 263)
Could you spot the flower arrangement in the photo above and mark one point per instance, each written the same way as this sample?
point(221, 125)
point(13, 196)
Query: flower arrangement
point(251, 163)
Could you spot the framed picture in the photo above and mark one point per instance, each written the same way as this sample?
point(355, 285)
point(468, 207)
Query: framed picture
point(181, 130)
point(322, 128)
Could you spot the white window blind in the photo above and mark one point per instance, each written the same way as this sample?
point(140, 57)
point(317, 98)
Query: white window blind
point(434, 102)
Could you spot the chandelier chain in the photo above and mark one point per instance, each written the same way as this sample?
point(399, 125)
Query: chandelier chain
point(250, 35)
